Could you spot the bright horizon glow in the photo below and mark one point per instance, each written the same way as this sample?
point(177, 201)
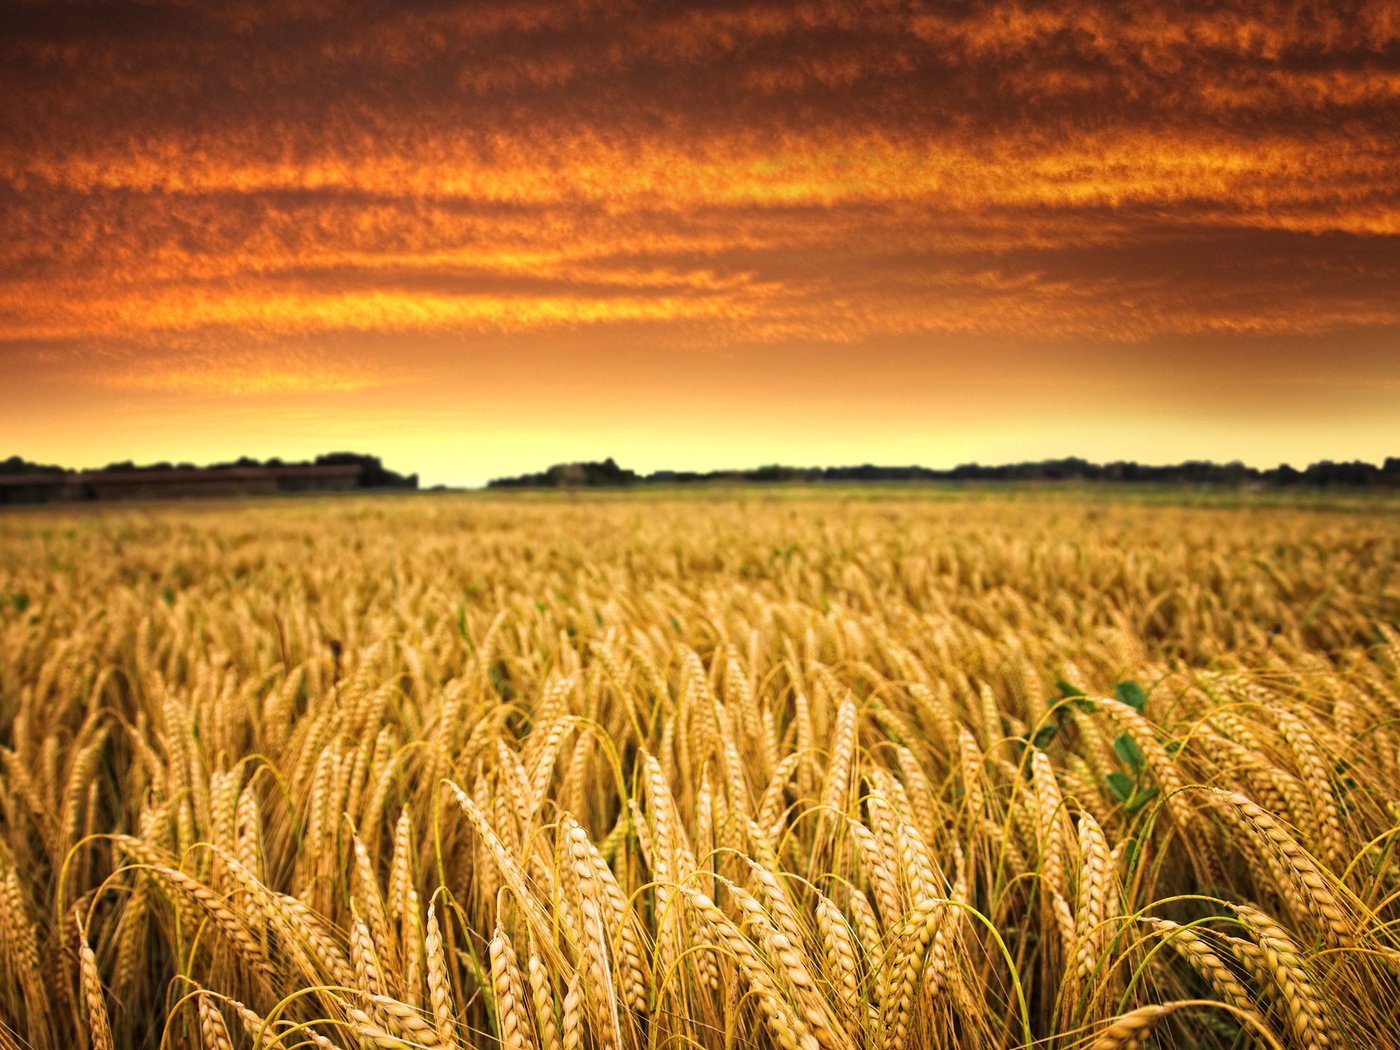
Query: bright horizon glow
point(477, 240)
point(646, 449)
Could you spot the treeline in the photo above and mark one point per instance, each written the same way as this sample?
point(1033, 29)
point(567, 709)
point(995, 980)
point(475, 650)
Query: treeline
point(23, 482)
point(1324, 474)
point(372, 472)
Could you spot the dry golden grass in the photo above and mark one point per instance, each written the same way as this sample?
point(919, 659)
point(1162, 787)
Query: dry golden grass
point(630, 774)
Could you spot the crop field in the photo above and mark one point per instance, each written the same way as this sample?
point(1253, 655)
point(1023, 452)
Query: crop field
point(802, 771)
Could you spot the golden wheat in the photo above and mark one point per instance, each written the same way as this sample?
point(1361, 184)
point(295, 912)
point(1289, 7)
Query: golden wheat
point(802, 770)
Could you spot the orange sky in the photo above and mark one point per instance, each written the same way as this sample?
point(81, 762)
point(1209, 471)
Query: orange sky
point(480, 238)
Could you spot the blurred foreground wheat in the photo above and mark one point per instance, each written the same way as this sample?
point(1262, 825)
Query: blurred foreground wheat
point(802, 773)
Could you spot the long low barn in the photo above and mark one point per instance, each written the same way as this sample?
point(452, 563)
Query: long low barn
point(94, 486)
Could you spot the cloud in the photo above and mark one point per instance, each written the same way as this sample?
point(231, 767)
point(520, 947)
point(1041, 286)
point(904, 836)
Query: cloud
point(214, 187)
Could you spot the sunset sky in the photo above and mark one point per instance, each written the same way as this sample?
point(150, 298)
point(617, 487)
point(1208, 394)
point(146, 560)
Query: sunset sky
point(479, 238)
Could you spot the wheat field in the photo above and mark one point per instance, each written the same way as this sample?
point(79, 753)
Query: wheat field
point(804, 771)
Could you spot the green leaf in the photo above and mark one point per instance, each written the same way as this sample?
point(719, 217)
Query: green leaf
point(1139, 799)
point(1131, 694)
point(1122, 786)
point(1131, 855)
point(167, 596)
point(1173, 746)
point(20, 601)
point(500, 681)
point(1129, 752)
point(1068, 691)
point(1316, 607)
point(1045, 734)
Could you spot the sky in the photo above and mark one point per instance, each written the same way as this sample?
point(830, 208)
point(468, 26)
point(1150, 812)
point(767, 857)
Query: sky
point(480, 238)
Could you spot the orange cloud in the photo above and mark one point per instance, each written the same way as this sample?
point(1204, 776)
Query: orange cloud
point(317, 196)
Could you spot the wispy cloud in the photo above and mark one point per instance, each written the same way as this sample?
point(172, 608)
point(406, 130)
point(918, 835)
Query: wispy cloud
point(217, 198)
